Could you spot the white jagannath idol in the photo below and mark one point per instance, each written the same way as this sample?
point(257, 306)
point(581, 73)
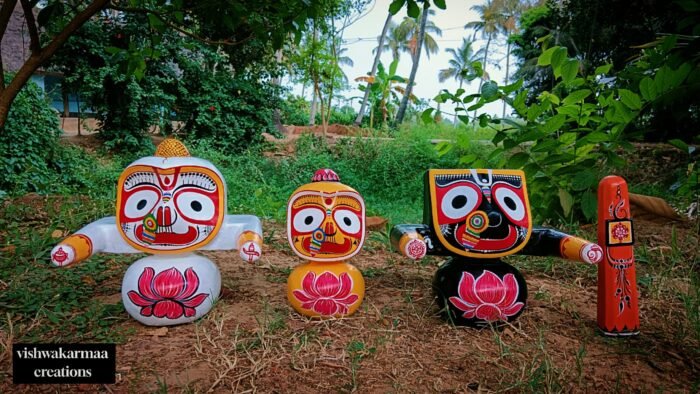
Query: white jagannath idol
point(168, 205)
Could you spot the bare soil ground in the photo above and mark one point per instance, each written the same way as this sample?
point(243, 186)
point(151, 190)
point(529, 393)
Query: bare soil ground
point(253, 341)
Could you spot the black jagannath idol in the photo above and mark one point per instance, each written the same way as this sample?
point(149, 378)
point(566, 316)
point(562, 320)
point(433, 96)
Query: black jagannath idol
point(477, 216)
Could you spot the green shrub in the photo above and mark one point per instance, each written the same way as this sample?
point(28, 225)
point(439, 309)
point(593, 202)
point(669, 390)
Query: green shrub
point(388, 173)
point(344, 115)
point(295, 111)
point(232, 112)
point(28, 143)
point(33, 159)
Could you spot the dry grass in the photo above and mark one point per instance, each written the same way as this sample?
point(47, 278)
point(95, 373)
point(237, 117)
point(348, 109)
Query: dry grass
point(252, 341)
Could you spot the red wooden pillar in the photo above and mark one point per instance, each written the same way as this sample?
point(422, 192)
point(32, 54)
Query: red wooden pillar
point(618, 308)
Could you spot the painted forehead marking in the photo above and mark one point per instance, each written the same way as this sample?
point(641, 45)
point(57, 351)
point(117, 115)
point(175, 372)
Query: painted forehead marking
point(320, 198)
point(487, 179)
point(170, 178)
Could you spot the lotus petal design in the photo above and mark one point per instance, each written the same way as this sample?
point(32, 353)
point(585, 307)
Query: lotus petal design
point(326, 294)
point(488, 297)
point(169, 294)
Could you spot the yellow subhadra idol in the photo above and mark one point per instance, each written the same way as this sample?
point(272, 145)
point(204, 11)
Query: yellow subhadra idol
point(325, 225)
point(169, 205)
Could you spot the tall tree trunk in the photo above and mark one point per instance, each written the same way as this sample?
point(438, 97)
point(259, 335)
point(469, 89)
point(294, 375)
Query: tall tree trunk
point(314, 77)
point(507, 70)
point(409, 88)
point(483, 69)
point(39, 55)
point(365, 99)
point(277, 115)
point(312, 111)
point(80, 113)
point(324, 120)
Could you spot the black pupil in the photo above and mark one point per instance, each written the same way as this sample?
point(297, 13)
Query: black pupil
point(141, 204)
point(459, 202)
point(308, 220)
point(196, 205)
point(347, 221)
point(509, 203)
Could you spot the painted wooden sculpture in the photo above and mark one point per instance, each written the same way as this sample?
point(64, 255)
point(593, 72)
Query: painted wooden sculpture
point(618, 308)
point(476, 217)
point(325, 225)
point(168, 205)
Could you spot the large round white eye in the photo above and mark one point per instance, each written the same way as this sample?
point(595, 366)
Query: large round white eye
point(458, 202)
point(511, 204)
point(308, 220)
point(140, 203)
point(348, 221)
point(195, 206)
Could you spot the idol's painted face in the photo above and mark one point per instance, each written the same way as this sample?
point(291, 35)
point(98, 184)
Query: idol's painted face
point(170, 209)
point(480, 213)
point(326, 221)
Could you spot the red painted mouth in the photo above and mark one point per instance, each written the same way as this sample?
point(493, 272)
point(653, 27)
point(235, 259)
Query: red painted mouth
point(327, 247)
point(168, 237)
point(486, 244)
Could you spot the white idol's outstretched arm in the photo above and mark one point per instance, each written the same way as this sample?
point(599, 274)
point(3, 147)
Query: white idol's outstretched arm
point(242, 233)
point(99, 236)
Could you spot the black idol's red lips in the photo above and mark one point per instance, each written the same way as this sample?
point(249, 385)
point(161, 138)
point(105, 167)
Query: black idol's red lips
point(169, 237)
point(485, 244)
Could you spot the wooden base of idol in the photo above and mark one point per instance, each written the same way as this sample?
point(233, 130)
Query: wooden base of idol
point(618, 307)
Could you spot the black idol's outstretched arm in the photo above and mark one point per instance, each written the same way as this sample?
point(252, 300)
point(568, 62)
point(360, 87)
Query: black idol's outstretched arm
point(550, 242)
point(415, 241)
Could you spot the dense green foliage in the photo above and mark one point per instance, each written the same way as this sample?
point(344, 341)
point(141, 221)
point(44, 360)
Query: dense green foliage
point(136, 84)
point(28, 144)
point(611, 32)
point(295, 111)
point(148, 65)
point(392, 185)
point(32, 159)
point(232, 111)
point(570, 136)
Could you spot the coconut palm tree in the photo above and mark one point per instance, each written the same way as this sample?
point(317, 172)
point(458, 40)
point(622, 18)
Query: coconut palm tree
point(395, 42)
point(344, 60)
point(511, 10)
point(417, 36)
point(385, 89)
point(488, 25)
point(410, 29)
point(378, 55)
point(461, 65)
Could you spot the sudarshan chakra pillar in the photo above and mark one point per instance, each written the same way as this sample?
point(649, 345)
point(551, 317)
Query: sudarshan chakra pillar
point(326, 227)
point(476, 217)
point(618, 307)
point(169, 205)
